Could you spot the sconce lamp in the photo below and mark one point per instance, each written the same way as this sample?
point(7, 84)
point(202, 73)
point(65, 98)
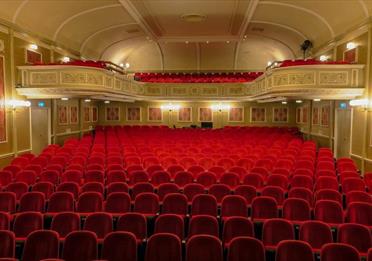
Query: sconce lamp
point(363, 103)
point(220, 107)
point(170, 107)
point(17, 103)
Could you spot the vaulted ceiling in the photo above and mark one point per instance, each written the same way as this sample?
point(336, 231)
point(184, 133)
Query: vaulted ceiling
point(186, 34)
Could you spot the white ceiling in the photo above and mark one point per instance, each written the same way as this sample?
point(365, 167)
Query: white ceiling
point(151, 34)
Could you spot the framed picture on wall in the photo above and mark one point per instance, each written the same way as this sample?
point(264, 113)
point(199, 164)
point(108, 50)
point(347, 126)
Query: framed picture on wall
point(325, 116)
point(87, 114)
point(315, 120)
point(305, 114)
point(236, 114)
point(351, 55)
point(94, 113)
point(62, 114)
point(3, 131)
point(74, 115)
point(280, 114)
point(298, 114)
point(112, 113)
point(154, 114)
point(185, 114)
point(133, 113)
point(205, 114)
point(32, 56)
point(258, 114)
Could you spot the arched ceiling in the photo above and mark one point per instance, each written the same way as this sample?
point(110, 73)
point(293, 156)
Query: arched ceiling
point(152, 35)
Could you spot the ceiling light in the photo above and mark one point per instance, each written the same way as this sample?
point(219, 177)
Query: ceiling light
point(106, 102)
point(66, 59)
point(269, 63)
point(298, 101)
point(316, 100)
point(121, 65)
point(207, 42)
point(186, 42)
point(87, 100)
point(64, 99)
point(127, 65)
point(228, 42)
point(170, 107)
point(323, 58)
point(34, 46)
point(220, 107)
point(284, 102)
point(18, 103)
point(350, 45)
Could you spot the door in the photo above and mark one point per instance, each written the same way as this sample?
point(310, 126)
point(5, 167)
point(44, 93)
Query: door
point(342, 132)
point(41, 128)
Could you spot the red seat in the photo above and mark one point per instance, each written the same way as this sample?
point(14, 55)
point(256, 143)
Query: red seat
point(32, 201)
point(8, 202)
point(5, 221)
point(160, 177)
point(65, 222)
point(147, 203)
point(117, 203)
point(302, 193)
point(275, 230)
point(163, 247)
point(338, 252)
point(89, 202)
point(167, 188)
point(275, 192)
point(99, 223)
point(118, 246)
point(219, 191)
point(195, 170)
point(296, 209)
point(360, 213)
point(358, 196)
point(71, 187)
point(7, 245)
point(192, 190)
point(316, 233)
point(72, 176)
point(6, 177)
point(246, 248)
point(170, 223)
point(355, 235)
point(117, 187)
point(135, 223)
point(142, 187)
point(204, 248)
point(253, 179)
point(231, 179)
point(115, 176)
point(326, 183)
point(264, 208)
point(204, 204)
point(47, 188)
point(353, 184)
point(61, 201)
point(138, 176)
point(94, 176)
point(302, 181)
point(26, 176)
point(278, 180)
point(18, 188)
point(183, 178)
point(234, 205)
point(175, 203)
point(328, 194)
point(206, 179)
point(80, 246)
point(203, 224)
point(328, 211)
point(236, 227)
point(40, 245)
point(27, 222)
point(294, 250)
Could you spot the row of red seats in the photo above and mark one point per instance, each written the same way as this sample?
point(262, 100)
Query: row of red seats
point(197, 78)
point(83, 246)
point(147, 203)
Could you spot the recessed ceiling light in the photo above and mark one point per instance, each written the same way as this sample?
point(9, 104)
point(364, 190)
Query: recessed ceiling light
point(64, 99)
point(186, 42)
point(298, 101)
point(33, 46)
point(207, 42)
point(106, 102)
point(87, 100)
point(121, 65)
point(284, 102)
point(193, 18)
point(323, 58)
point(350, 45)
point(316, 100)
point(66, 59)
point(269, 63)
point(227, 41)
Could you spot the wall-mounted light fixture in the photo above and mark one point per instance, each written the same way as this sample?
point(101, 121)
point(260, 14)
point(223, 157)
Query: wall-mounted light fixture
point(298, 101)
point(316, 100)
point(64, 99)
point(87, 100)
point(284, 102)
point(323, 58)
point(351, 45)
point(17, 103)
point(364, 103)
point(170, 107)
point(107, 102)
point(33, 47)
point(66, 59)
point(220, 107)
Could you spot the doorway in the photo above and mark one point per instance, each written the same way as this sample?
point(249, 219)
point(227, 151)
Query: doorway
point(342, 132)
point(41, 128)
